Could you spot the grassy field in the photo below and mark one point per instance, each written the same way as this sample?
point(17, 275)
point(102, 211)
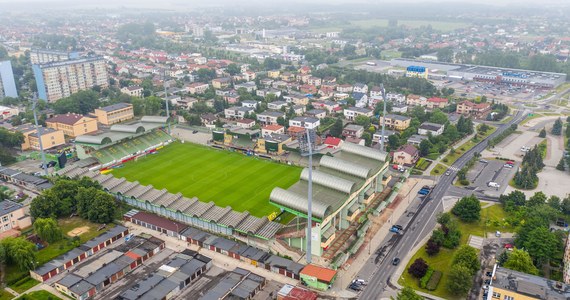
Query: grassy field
point(438, 170)
point(39, 295)
point(492, 219)
point(224, 177)
point(5, 295)
point(24, 284)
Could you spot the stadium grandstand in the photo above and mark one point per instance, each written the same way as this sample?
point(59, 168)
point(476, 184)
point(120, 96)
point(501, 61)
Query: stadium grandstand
point(192, 211)
point(123, 142)
point(343, 185)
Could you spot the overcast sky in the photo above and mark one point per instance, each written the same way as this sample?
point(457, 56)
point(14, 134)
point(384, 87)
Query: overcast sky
point(160, 3)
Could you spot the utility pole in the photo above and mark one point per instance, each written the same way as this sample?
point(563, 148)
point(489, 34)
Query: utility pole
point(310, 198)
point(166, 99)
point(39, 133)
point(383, 117)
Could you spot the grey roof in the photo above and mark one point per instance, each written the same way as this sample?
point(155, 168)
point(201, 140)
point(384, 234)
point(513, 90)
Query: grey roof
point(430, 126)
point(353, 127)
point(306, 119)
point(329, 181)
point(115, 107)
point(154, 119)
point(69, 280)
point(140, 288)
point(272, 113)
point(93, 139)
point(298, 203)
point(530, 285)
point(397, 117)
point(8, 206)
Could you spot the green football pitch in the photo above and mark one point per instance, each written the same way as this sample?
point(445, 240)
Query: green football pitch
point(224, 177)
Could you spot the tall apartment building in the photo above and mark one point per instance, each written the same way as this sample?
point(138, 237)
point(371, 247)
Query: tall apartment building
point(58, 80)
point(7, 83)
point(40, 56)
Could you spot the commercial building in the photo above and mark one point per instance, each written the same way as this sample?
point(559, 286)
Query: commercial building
point(343, 184)
point(72, 125)
point(397, 122)
point(513, 285)
point(12, 218)
point(481, 73)
point(7, 83)
point(115, 113)
point(41, 56)
point(318, 277)
point(56, 80)
point(51, 138)
point(89, 248)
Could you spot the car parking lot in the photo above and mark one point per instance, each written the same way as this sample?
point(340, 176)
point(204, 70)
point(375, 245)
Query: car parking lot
point(491, 171)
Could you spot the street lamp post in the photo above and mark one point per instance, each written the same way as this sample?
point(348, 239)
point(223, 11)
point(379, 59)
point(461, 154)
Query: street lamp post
point(383, 117)
point(310, 199)
point(39, 133)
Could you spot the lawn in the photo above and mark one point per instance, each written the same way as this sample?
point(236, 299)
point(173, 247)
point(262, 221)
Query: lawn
point(5, 295)
point(24, 285)
point(493, 216)
point(423, 164)
point(224, 177)
point(39, 295)
point(452, 157)
point(438, 170)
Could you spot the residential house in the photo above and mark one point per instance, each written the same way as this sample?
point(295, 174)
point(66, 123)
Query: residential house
point(330, 106)
point(406, 155)
point(266, 92)
point(361, 99)
point(397, 122)
point(340, 96)
point(327, 91)
point(316, 81)
point(249, 75)
point(13, 218)
point(267, 82)
point(416, 139)
point(376, 136)
point(72, 125)
point(397, 98)
point(352, 112)
point(329, 80)
point(295, 131)
point(360, 88)
point(400, 108)
point(115, 113)
point(305, 122)
point(344, 88)
point(197, 88)
point(245, 123)
point(249, 103)
point(8, 112)
point(333, 142)
point(298, 109)
point(272, 129)
point(308, 89)
point(273, 74)
point(133, 91)
point(249, 86)
point(427, 128)
point(298, 99)
point(435, 102)
point(221, 83)
point(287, 76)
point(209, 120)
point(186, 103)
point(353, 130)
point(376, 91)
point(317, 113)
point(237, 112)
point(305, 70)
point(415, 100)
point(270, 117)
point(476, 110)
point(276, 105)
point(232, 97)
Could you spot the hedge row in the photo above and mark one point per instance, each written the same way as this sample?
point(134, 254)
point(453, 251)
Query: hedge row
point(424, 280)
point(434, 280)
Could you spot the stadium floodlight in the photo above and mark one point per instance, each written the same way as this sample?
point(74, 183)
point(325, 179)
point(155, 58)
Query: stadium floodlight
point(166, 99)
point(39, 133)
point(383, 117)
point(307, 145)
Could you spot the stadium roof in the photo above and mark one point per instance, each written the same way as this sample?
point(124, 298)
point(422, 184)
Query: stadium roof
point(133, 128)
point(119, 132)
point(297, 202)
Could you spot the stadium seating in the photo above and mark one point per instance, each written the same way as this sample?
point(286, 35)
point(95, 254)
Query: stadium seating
point(124, 148)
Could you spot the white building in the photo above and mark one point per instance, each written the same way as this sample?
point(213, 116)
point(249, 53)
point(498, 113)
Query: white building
point(305, 122)
point(433, 128)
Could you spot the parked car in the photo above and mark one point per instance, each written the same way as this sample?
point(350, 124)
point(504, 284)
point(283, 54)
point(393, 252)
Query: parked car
point(489, 274)
point(487, 281)
point(355, 287)
point(508, 166)
point(359, 281)
point(483, 161)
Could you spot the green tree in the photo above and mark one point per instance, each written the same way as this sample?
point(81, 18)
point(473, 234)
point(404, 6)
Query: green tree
point(459, 280)
point(520, 260)
point(542, 244)
point(468, 209)
point(542, 133)
point(336, 128)
point(557, 127)
point(95, 205)
point(561, 165)
point(445, 54)
point(565, 206)
point(438, 117)
point(19, 252)
point(152, 105)
point(363, 121)
point(555, 202)
point(513, 200)
point(425, 146)
point(467, 256)
point(233, 69)
point(367, 138)
point(539, 198)
point(407, 293)
point(47, 229)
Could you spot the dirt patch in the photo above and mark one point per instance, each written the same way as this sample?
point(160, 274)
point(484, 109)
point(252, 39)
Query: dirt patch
point(78, 231)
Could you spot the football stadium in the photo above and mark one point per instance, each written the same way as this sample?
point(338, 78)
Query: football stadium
point(223, 177)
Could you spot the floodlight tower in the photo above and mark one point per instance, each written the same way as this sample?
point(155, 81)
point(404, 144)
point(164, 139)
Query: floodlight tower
point(306, 144)
point(166, 99)
point(383, 117)
point(39, 133)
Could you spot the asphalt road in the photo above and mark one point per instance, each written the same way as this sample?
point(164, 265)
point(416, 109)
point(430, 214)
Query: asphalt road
point(419, 226)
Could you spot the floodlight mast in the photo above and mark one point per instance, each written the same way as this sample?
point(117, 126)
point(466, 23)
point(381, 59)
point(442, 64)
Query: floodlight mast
point(310, 198)
point(39, 133)
point(383, 117)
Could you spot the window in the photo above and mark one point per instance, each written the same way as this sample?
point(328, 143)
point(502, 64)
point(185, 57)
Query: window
point(509, 298)
point(5, 219)
point(496, 295)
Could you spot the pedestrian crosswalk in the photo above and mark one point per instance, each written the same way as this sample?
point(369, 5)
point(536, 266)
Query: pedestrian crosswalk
point(453, 169)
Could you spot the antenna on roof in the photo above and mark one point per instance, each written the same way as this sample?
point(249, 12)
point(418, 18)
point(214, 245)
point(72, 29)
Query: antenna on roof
point(39, 133)
point(383, 117)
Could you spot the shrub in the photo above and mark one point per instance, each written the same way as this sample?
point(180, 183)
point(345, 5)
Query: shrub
point(434, 281)
point(432, 247)
point(424, 280)
point(464, 182)
point(445, 160)
point(418, 268)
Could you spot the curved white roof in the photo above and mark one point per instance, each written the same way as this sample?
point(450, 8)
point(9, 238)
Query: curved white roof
point(344, 166)
point(93, 139)
point(154, 119)
point(298, 202)
point(364, 151)
point(330, 181)
point(135, 128)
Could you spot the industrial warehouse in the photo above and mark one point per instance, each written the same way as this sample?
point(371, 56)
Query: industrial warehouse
point(450, 71)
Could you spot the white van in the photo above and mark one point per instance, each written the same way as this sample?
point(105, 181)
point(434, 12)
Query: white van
point(493, 184)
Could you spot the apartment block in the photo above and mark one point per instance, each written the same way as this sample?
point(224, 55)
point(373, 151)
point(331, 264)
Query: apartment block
point(7, 83)
point(41, 56)
point(61, 79)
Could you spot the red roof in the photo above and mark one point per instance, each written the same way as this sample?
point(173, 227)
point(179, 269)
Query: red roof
point(407, 148)
point(245, 121)
point(273, 127)
point(322, 274)
point(436, 99)
point(295, 129)
point(69, 119)
point(333, 141)
point(160, 221)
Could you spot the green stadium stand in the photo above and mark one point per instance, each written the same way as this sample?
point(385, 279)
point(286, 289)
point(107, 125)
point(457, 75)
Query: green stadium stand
point(118, 151)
